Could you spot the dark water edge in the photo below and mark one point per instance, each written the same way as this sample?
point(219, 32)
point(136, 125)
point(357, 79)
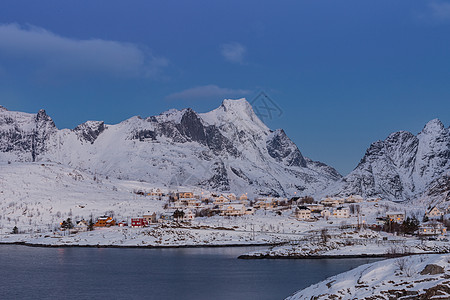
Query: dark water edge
point(177, 273)
point(139, 246)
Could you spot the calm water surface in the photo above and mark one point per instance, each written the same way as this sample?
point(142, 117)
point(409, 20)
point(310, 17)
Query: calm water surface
point(198, 273)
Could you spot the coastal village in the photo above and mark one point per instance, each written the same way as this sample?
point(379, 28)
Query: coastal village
point(184, 207)
point(90, 210)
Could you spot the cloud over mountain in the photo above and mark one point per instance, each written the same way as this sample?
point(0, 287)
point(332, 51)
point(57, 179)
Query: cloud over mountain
point(45, 52)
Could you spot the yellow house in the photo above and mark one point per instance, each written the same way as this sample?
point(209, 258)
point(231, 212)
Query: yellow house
point(243, 197)
point(397, 217)
point(185, 195)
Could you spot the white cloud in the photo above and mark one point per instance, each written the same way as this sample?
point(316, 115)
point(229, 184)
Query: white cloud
point(233, 52)
point(440, 10)
point(52, 54)
point(208, 92)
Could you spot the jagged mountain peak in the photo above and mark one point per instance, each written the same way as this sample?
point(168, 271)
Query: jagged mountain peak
point(2, 108)
point(228, 148)
point(433, 126)
point(235, 113)
point(42, 116)
point(237, 105)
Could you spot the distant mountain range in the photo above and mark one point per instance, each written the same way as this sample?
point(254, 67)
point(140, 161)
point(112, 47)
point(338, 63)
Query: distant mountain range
point(227, 149)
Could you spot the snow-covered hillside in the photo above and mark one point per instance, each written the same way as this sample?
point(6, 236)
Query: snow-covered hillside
point(414, 277)
point(227, 149)
point(38, 196)
point(404, 166)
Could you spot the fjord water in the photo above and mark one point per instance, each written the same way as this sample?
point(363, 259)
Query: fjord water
point(194, 273)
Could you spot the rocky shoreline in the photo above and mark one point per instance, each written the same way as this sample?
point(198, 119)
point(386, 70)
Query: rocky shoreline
point(136, 246)
point(268, 256)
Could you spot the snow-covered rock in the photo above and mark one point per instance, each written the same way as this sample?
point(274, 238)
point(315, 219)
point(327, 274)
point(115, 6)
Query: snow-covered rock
point(227, 149)
point(414, 277)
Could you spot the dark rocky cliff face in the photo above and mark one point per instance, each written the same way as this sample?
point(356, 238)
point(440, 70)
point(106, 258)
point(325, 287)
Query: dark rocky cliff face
point(44, 128)
point(282, 149)
point(26, 136)
point(90, 131)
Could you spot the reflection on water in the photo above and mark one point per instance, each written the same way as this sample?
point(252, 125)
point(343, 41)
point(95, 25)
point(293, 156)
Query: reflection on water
point(183, 273)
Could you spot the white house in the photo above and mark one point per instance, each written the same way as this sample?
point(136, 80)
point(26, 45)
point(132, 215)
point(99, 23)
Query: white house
point(432, 228)
point(434, 212)
point(81, 226)
point(342, 212)
point(302, 213)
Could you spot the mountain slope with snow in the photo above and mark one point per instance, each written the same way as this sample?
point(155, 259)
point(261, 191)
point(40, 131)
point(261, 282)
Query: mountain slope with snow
point(404, 166)
point(227, 149)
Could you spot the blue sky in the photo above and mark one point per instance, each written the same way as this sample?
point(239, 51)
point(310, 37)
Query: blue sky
point(344, 74)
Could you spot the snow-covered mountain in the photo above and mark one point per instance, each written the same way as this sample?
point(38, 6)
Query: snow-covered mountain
point(227, 149)
point(404, 166)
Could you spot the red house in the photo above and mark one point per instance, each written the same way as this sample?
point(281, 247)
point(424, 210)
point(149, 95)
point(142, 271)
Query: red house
point(138, 222)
